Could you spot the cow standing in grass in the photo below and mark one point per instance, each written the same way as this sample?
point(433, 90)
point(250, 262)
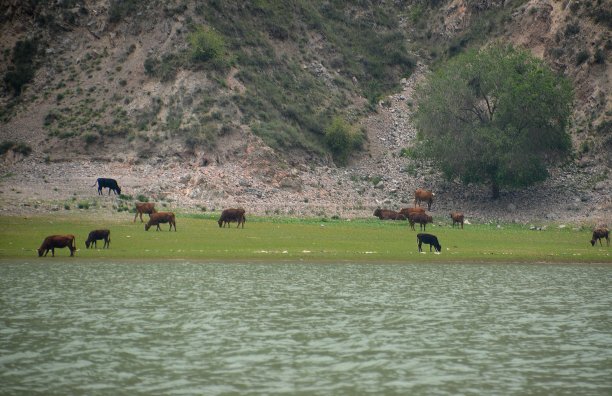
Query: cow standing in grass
point(161, 218)
point(600, 233)
point(421, 218)
point(429, 239)
point(111, 184)
point(95, 236)
point(57, 241)
point(457, 218)
point(144, 207)
point(232, 215)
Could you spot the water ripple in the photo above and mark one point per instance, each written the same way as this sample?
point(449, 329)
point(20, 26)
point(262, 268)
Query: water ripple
point(192, 328)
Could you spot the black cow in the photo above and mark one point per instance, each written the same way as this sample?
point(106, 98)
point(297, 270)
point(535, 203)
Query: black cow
point(111, 184)
point(429, 239)
point(97, 235)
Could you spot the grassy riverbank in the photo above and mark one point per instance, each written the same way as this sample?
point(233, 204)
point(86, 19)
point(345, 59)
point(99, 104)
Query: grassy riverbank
point(286, 239)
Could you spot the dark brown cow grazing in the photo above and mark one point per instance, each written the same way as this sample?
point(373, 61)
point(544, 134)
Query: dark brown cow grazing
point(232, 215)
point(57, 241)
point(457, 218)
point(386, 214)
point(599, 234)
point(97, 235)
point(161, 218)
point(408, 211)
point(144, 207)
point(421, 195)
point(420, 218)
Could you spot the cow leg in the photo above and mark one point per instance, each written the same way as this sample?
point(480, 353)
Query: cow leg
point(420, 244)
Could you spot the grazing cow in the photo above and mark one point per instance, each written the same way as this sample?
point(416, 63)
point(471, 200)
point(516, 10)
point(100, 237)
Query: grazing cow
point(457, 218)
point(386, 214)
point(57, 241)
point(421, 195)
point(111, 184)
point(420, 218)
point(408, 211)
point(232, 215)
point(599, 234)
point(155, 219)
point(97, 235)
point(429, 239)
point(144, 207)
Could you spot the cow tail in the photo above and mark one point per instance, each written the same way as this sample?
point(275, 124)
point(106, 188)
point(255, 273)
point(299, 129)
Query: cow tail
point(96, 182)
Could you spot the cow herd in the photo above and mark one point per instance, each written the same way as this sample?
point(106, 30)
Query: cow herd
point(50, 243)
point(414, 215)
point(417, 215)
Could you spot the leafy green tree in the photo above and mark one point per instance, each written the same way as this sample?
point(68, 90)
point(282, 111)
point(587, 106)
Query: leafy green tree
point(498, 116)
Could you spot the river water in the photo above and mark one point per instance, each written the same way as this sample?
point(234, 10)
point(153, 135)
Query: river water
point(73, 327)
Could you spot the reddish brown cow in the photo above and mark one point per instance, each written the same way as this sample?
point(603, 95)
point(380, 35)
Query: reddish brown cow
point(421, 195)
point(97, 235)
point(457, 218)
point(599, 234)
point(232, 215)
point(386, 214)
point(57, 241)
point(161, 218)
point(420, 218)
point(408, 211)
point(144, 207)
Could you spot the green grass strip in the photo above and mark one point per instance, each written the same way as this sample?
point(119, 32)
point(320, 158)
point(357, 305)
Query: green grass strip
point(290, 239)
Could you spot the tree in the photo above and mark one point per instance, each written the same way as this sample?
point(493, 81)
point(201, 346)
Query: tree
point(498, 116)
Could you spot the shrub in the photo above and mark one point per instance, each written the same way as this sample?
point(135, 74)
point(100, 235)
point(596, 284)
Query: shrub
point(582, 57)
point(342, 139)
point(22, 70)
point(206, 44)
point(21, 148)
point(142, 198)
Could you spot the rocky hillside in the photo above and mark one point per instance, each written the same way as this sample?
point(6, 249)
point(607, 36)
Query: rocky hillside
point(113, 94)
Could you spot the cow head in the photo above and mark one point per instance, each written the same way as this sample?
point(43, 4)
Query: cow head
point(593, 242)
point(147, 226)
point(220, 222)
point(377, 212)
point(40, 252)
point(87, 242)
point(118, 190)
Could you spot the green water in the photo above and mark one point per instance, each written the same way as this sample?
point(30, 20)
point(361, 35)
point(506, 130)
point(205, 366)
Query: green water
point(71, 327)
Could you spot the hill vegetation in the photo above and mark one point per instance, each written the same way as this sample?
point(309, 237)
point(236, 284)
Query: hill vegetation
point(277, 95)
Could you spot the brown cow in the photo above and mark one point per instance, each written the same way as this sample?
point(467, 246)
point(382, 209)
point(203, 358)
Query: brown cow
point(144, 207)
point(158, 218)
point(421, 195)
point(407, 211)
point(420, 218)
point(95, 236)
point(600, 233)
point(232, 215)
point(386, 214)
point(57, 241)
point(457, 218)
